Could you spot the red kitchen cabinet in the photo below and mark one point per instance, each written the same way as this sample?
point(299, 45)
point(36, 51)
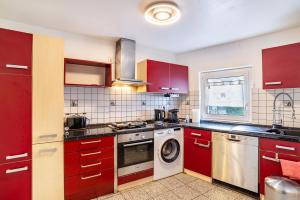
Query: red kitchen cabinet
point(15, 98)
point(15, 181)
point(198, 151)
point(163, 77)
point(179, 78)
point(270, 156)
point(89, 168)
point(15, 52)
point(281, 67)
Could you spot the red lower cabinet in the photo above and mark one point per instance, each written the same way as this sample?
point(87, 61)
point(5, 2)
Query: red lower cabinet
point(15, 181)
point(271, 151)
point(89, 168)
point(198, 151)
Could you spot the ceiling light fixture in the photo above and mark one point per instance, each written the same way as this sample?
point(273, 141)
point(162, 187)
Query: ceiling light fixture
point(162, 13)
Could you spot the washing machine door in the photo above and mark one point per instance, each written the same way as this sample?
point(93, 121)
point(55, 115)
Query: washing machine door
point(170, 150)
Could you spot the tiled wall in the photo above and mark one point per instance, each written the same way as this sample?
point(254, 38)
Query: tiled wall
point(116, 104)
point(262, 106)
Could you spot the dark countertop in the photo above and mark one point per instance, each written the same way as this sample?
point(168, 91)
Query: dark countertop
point(240, 129)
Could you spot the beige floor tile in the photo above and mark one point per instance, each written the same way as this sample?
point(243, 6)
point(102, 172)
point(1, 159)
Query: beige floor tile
point(201, 186)
point(185, 178)
point(201, 197)
point(154, 188)
point(244, 197)
point(220, 194)
point(135, 194)
point(186, 193)
point(171, 183)
point(167, 196)
point(117, 196)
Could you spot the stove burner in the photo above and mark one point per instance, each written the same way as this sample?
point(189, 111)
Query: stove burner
point(128, 125)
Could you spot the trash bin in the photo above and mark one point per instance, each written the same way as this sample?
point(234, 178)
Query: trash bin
point(280, 188)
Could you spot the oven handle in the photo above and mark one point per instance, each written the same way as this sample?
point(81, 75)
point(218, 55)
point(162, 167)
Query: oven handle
point(137, 143)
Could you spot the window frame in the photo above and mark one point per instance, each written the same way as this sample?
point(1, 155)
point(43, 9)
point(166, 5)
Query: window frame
point(221, 73)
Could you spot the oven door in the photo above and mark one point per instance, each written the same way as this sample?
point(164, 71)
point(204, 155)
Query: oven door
point(136, 152)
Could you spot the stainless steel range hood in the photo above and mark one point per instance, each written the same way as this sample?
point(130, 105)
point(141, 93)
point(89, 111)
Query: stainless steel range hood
point(125, 63)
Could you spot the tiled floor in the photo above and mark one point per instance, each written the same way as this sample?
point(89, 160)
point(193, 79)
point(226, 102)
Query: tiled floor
point(177, 187)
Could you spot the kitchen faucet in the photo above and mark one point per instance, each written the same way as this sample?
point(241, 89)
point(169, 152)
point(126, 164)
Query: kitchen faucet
point(275, 124)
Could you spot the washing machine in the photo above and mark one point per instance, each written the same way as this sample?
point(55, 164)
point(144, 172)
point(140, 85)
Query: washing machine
point(168, 152)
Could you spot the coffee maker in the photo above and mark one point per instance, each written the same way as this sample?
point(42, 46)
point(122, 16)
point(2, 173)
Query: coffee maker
point(159, 115)
point(172, 116)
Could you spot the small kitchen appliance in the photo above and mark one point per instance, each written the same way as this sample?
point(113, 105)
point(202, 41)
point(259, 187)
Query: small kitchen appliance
point(76, 121)
point(159, 115)
point(173, 116)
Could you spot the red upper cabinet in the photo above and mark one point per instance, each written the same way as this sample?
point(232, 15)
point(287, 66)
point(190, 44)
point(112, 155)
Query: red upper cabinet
point(15, 98)
point(163, 77)
point(179, 78)
point(15, 52)
point(281, 67)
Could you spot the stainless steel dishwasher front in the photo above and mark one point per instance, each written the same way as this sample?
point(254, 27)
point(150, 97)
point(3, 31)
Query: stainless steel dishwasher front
point(235, 160)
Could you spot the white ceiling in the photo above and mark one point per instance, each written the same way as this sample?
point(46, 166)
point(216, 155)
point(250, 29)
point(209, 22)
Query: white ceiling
point(204, 22)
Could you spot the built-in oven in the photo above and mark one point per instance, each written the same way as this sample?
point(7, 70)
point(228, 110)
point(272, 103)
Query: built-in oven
point(135, 152)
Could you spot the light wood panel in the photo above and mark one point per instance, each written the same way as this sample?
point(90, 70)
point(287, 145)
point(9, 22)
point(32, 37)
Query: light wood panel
point(47, 89)
point(142, 75)
point(48, 171)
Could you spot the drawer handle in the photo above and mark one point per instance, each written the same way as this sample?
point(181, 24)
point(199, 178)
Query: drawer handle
point(164, 88)
point(91, 165)
point(202, 145)
point(91, 142)
point(16, 156)
point(196, 134)
point(48, 150)
point(176, 89)
point(273, 83)
point(11, 171)
point(89, 177)
point(16, 66)
point(285, 148)
point(48, 136)
point(271, 159)
point(90, 154)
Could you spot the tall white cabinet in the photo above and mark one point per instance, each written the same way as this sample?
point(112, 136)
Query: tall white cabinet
point(47, 118)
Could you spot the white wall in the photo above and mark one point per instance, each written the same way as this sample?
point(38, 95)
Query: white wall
point(244, 52)
point(86, 47)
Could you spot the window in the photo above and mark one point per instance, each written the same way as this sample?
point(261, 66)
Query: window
point(225, 94)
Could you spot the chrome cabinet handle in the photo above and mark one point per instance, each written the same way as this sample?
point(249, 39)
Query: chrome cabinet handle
point(271, 159)
point(91, 165)
point(273, 83)
point(164, 88)
point(16, 156)
point(285, 148)
point(16, 66)
point(10, 171)
point(175, 89)
point(90, 154)
point(137, 143)
point(48, 150)
point(197, 134)
point(202, 145)
point(48, 136)
point(89, 177)
point(91, 142)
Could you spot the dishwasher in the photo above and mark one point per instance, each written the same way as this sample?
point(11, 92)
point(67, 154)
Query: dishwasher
point(235, 160)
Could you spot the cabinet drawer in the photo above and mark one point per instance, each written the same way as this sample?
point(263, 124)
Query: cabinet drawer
point(279, 146)
point(195, 133)
point(89, 144)
point(98, 181)
point(15, 181)
point(73, 165)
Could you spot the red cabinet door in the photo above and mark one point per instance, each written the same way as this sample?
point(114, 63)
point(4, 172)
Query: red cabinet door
point(281, 67)
point(15, 118)
point(15, 181)
point(158, 76)
point(198, 155)
point(179, 78)
point(15, 52)
point(269, 166)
